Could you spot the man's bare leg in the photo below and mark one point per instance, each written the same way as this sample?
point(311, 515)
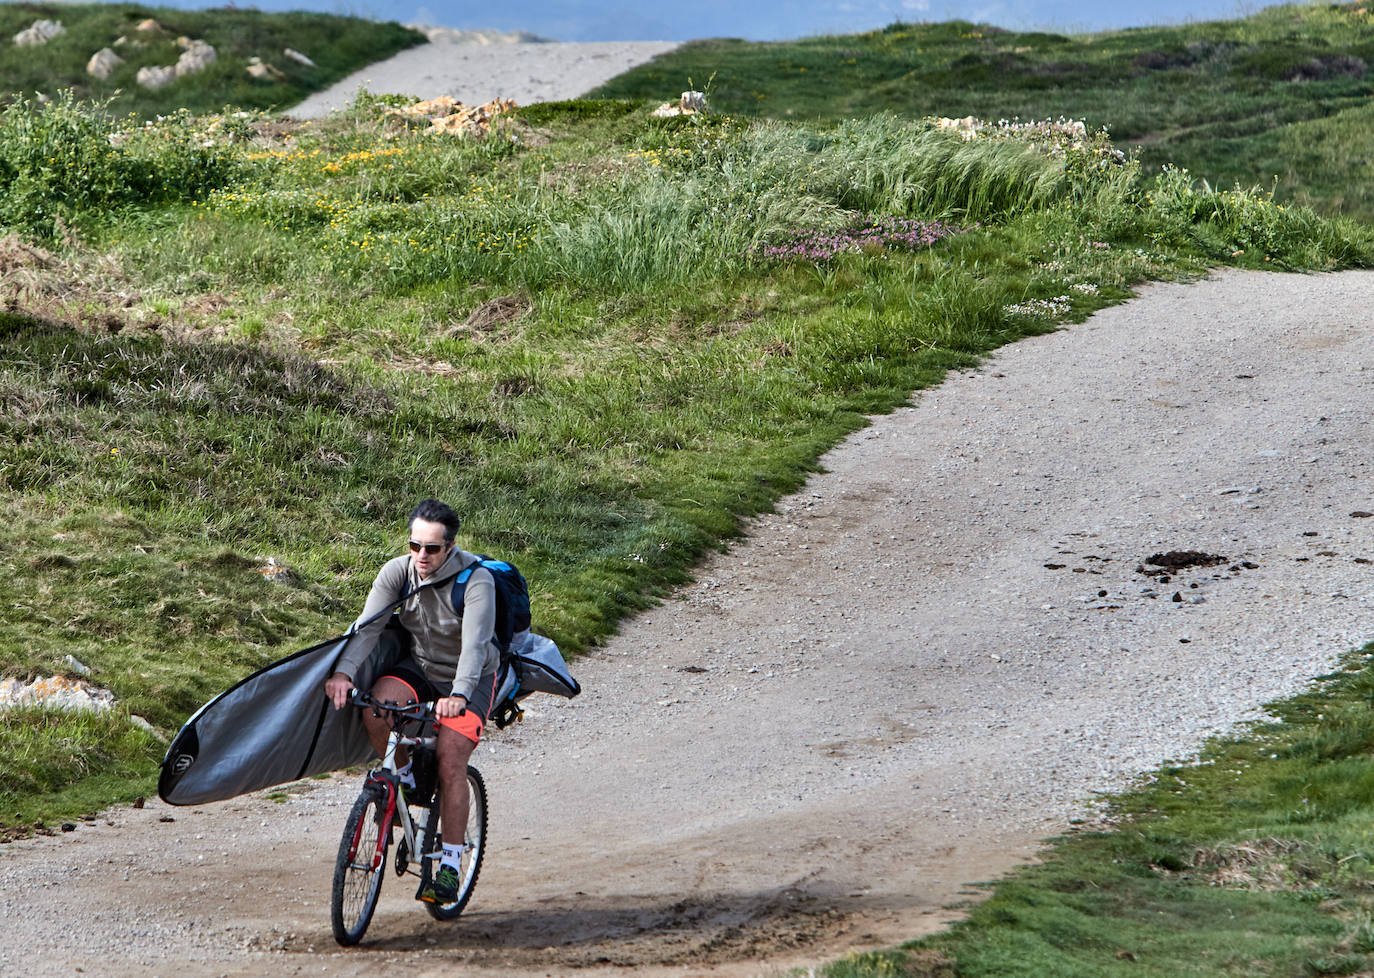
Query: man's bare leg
point(454, 752)
point(379, 727)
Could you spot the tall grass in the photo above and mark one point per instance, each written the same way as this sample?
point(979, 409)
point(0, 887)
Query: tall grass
point(574, 339)
point(886, 165)
point(1231, 101)
point(680, 203)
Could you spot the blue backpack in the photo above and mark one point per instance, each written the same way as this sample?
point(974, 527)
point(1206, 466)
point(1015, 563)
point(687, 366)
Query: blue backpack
point(512, 598)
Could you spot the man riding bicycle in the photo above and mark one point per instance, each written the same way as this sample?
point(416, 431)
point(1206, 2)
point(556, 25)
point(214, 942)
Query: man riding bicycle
point(454, 663)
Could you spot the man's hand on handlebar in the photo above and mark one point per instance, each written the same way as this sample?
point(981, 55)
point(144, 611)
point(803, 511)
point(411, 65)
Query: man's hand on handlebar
point(450, 706)
point(337, 687)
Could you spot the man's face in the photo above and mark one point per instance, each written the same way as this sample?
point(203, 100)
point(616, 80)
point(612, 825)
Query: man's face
point(428, 536)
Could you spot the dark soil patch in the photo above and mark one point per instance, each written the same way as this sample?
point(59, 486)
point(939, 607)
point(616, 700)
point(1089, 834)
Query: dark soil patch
point(1176, 560)
point(1328, 66)
point(496, 313)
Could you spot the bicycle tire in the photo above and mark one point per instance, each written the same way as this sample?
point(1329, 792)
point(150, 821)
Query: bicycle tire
point(476, 839)
point(359, 867)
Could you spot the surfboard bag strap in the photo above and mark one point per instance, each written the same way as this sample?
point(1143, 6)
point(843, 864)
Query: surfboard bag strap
point(276, 725)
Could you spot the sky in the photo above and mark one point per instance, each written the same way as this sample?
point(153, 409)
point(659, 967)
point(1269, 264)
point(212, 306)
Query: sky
point(758, 20)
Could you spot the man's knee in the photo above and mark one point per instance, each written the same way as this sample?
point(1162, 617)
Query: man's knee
point(391, 690)
point(453, 748)
point(385, 690)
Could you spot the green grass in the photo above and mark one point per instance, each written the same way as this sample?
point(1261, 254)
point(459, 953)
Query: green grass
point(570, 332)
point(62, 764)
point(226, 339)
point(1255, 858)
point(1276, 99)
point(338, 45)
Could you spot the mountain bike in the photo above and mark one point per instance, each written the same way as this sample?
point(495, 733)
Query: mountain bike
point(383, 806)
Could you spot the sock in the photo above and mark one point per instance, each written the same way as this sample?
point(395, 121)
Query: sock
point(453, 855)
point(407, 775)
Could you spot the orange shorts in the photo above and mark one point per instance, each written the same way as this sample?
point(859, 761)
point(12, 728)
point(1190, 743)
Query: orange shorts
point(422, 688)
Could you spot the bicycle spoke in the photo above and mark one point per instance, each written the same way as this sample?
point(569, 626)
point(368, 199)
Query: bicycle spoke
point(359, 868)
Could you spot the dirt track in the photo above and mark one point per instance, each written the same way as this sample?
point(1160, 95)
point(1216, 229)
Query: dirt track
point(921, 664)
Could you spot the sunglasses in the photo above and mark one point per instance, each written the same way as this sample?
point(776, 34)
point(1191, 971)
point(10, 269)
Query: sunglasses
point(429, 548)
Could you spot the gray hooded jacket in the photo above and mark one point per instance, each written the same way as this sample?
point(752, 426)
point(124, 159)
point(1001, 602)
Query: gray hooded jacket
point(449, 646)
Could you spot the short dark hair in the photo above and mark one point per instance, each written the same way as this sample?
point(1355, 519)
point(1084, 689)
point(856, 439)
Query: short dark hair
point(433, 511)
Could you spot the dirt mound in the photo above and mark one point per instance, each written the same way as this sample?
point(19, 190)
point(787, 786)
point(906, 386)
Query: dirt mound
point(1177, 560)
point(94, 295)
point(494, 314)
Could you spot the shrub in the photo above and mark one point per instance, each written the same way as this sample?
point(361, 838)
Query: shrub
point(64, 162)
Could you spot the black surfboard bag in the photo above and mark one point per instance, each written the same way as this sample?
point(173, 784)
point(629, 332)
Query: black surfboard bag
point(277, 726)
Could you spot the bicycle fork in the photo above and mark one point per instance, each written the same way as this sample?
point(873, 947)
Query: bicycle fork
point(395, 812)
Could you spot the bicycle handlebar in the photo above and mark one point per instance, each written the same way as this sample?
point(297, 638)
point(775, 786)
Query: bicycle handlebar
point(415, 711)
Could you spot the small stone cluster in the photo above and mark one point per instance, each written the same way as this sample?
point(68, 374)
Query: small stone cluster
point(967, 127)
point(1054, 137)
point(446, 116)
point(60, 692)
point(690, 103)
point(263, 71)
point(41, 32)
point(195, 56)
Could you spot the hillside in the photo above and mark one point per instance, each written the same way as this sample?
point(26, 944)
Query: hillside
point(235, 349)
point(1279, 99)
point(337, 46)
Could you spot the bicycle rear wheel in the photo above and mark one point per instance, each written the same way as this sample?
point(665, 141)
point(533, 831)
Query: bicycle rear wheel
point(475, 836)
point(359, 867)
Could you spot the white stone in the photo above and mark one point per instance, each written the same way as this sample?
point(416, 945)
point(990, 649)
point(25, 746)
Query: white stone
point(156, 77)
point(41, 32)
point(690, 103)
point(263, 72)
point(103, 63)
point(55, 691)
point(197, 55)
point(141, 723)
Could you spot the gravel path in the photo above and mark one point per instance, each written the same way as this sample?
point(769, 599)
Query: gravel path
point(920, 664)
point(477, 73)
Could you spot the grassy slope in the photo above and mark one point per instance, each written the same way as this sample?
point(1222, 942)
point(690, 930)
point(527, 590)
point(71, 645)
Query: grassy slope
point(1277, 99)
point(561, 330)
point(337, 45)
point(311, 343)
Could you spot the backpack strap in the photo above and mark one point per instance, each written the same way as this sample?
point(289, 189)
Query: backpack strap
point(496, 568)
point(460, 585)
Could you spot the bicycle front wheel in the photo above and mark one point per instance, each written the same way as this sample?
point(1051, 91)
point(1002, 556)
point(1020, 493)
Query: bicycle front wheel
point(475, 836)
point(359, 867)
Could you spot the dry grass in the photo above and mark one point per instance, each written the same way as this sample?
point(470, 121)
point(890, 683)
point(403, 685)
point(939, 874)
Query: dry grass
point(1262, 864)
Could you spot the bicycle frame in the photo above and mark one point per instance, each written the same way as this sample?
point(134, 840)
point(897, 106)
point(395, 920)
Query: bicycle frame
point(379, 808)
point(387, 779)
